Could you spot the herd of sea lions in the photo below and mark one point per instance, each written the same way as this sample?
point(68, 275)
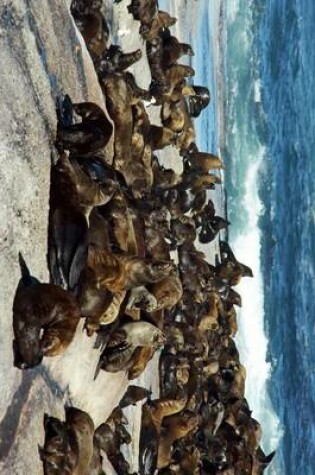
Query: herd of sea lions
point(115, 225)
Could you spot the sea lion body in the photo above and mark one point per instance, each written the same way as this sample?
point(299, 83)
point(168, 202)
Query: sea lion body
point(47, 307)
point(118, 103)
point(68, 446)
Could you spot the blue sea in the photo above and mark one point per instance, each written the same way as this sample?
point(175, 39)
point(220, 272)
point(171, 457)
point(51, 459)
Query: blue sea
point(259, 65)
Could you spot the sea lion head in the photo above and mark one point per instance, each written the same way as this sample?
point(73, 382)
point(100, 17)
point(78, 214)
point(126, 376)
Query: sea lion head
point(159, 269)
point(188, 50)
point(26, 350)
point(158, 339)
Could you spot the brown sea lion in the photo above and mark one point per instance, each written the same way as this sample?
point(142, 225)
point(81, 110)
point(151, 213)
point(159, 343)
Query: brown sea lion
point(165, 407)
point(68, 446)
point(41, 307)
point(159, 84)
point(210, 320)
point(89, 136)
point(173, 116)
point(167, 291)
point(160, 21)
point(119, 351)
point(118, 103)
point(114, 59)
point(91, 24)
point(177, 72)
point(176, 427)
point(163, 178)
point(133, 395)
point(139, 361)
point(160, 137)
point(141, 298)
point(117, 272)
point(173, 49)
point(207, 161)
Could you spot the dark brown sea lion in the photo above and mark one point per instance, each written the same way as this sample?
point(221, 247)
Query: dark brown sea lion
point(148, 444)
point(149, 31)
point(173, 49)
point(91, 24)
point(163, 178)
point(198, 101)
point(177, 426)
point(133, 395)
point(114, 59)
point(160, 137)
point(143, 10)
point(41, 307)
point(109, 436)
point(167, 291)
point(159, 84)
point(89, 136)
point(68, 446)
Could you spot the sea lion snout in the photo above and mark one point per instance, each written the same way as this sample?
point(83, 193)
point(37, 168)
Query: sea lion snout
point(158, 340)
point(26, 354)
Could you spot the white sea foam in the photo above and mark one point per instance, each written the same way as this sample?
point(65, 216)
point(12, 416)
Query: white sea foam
point(251, 338)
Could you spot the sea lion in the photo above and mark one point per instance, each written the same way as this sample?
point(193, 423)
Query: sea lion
point(73, 194)
point(118, 354)
point(173, 49)
point(148, 444)
point(160, 137)
point(109, 436)
point(114, 59)
point(89, 136)
point(150, 31)
point(38, 307)
point(210, 320)
point(165, 407)
point(163, 178)
point(117, 272)
point(140, 297)
point(183, 230)
point(91, 24)
point(173, 116)
point(118, 103)
point(198, 101)
point(68, 446)
point(133, 395)
point(140, 358)
point(159, 84)
point(167, 292)
point(177, 72)
point(176, 427)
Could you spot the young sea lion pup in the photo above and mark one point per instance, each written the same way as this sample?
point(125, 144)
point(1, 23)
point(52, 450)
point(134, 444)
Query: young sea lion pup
point(68, 447)
point(39, 307)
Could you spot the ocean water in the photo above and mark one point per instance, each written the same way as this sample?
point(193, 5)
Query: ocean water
point(270, 125)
